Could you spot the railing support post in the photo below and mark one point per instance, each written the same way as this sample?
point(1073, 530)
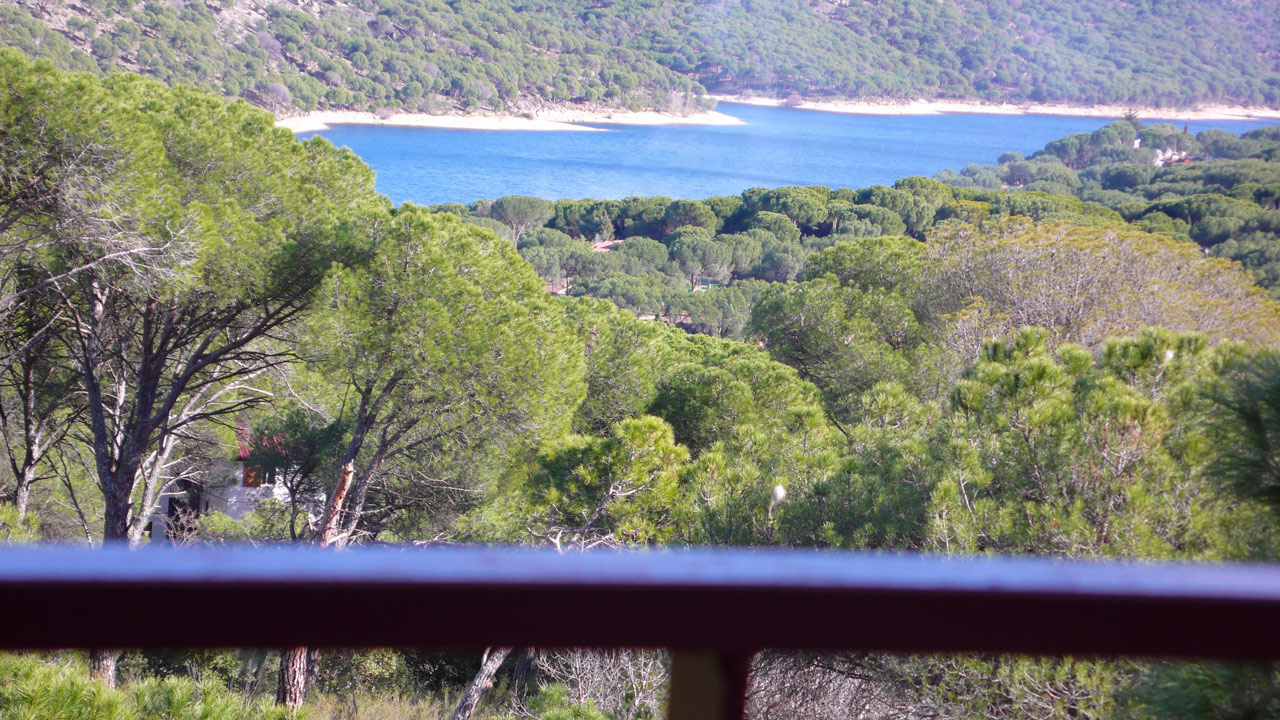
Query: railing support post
point(708, 686)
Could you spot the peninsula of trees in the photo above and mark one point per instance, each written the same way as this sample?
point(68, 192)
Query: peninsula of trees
point(705, 264)
point(1214, 188)
point(516, 56)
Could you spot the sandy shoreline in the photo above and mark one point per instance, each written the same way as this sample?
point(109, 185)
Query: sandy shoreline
point(939, 107)
point(551, 119)
point(569, 119)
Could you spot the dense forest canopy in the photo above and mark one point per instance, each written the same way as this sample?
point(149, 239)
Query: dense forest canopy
point(516, 55)
point(1142, 53)
point(1216, 189)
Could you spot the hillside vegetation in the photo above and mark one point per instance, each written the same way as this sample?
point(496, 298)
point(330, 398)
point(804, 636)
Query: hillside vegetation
point(1142, 52)
point(1217, 189)
point(291, 54)
point(516, 55)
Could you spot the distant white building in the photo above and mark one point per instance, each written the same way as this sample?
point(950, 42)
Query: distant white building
point(1164, 158)
point(238, 490)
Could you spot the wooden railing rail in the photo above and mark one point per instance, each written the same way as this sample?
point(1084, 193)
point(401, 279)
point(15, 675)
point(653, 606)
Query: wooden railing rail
point(712, 608)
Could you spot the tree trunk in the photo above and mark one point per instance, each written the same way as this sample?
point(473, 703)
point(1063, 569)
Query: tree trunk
point(298, 667)
point(102, 666)
point(22, 494)
point(313, 667)
point(292, 689)
point(102, 663)
point(115, 517)
point(524, 667)
point(333, 510)
point(251, 669)
point(482, 682)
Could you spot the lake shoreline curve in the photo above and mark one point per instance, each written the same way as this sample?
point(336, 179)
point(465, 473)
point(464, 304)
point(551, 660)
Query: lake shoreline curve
point(582, 120)
point(551, 119)
point(944, 107)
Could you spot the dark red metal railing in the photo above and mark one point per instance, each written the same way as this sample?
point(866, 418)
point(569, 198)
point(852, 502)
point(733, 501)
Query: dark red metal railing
point(713, 609)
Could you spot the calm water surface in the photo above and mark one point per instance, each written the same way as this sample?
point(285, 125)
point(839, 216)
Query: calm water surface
point(777, 146)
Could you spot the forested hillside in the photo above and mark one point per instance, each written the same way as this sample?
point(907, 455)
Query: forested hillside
point(926, 368)
point(1120, 51)
point(515, 55)
point(422, 55)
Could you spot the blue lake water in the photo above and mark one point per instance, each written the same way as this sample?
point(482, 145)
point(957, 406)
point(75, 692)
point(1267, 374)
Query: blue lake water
point(776, 146)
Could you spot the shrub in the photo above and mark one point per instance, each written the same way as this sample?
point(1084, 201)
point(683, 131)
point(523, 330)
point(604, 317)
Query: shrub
point(61, 688)
point(17, 530)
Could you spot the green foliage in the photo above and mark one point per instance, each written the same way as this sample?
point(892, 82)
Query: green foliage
point(33, 688)
point(690, 435)
point(1222, 196)
point(668, 250)
point(911, 49)
point(15, 530)
point(422, 55)
point(20, 30)
point(588, 492)
point(1046, 687)
point(1086, 284)
point(553, 703)
point(878, 496)
point(415, 55)
point(1011, 464)
point(803, 206)
point(842, 339)
point(449, 356)
point(780, 226)
point(222, 228)
point(624, 359)
point(882, 263)
point(592, 220)
point(1022, 475)
point(931, 367)
point(721, 311)
point(685, 213)
point(915, 212)
point(520, 213)
point(1205, 691)
point(1247, 430)
point(268, 522)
